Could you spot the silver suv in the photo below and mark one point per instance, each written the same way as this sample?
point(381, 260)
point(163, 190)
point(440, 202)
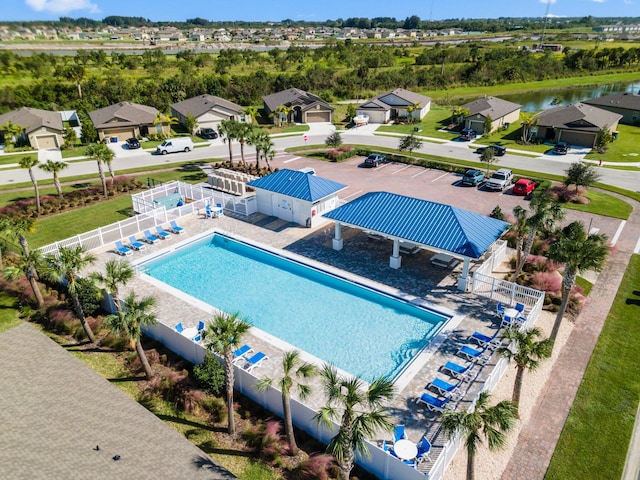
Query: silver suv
point(500, 180)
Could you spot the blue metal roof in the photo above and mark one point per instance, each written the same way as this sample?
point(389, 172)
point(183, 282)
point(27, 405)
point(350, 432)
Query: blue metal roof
point(422, 222)
point(298, 185)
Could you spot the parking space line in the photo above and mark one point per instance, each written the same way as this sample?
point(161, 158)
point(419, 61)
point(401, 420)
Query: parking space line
point(618, 232)
point(424, 170)
point(353, 194)
point(291, 160)
point(441, 176)
point(637, 249)
point(398, 171)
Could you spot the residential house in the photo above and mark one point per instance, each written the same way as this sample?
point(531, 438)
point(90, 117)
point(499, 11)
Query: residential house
point(208, 110)
point(626, 104)
point(305, 107)
point(394, 104)
point(501, 112)
point(125, 120)
point(41, 128)
point(576, 124)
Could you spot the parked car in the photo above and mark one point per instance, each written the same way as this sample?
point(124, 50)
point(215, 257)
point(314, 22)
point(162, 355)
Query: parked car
point(561, 148)
point(374, 160)
point(468, 134)
point(133, 143)
point(500, 180)
point(498, 150)
point(523, 186)
point(208, 133)
point(172, 145)
point(473, 177)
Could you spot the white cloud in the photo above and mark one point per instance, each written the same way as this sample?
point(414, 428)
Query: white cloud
point(548, 1)
point(62, 6)
point(599, 1)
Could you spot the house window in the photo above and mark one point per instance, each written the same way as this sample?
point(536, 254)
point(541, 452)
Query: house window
point(159, 128)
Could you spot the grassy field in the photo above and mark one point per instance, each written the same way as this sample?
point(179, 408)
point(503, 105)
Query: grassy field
point(8, 312)
point(11, 158)
point(603, 204)
point(626, 148)
point(596, 435)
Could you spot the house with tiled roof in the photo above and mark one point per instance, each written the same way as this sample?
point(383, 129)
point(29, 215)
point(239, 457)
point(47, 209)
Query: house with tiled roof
point(41, 128)
point(501, 112)
point(305, 107)
point(208, 110)
point(626, 104)
point(576, 124)
point(394, 104)
point(125, 120)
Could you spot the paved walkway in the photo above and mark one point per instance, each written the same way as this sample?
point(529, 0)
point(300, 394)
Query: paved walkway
point(538, 439)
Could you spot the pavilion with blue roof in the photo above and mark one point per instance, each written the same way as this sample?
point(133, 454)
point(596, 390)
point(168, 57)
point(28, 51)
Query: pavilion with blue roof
point(408, 221)
point(296, 196)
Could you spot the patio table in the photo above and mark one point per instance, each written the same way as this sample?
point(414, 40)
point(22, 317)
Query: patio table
point(405, 449)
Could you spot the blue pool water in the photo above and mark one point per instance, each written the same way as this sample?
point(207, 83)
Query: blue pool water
point(361, 331)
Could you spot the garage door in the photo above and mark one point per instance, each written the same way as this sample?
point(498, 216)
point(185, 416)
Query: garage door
point(313, 117)
point(46, 141)
point(211, 124)
point(121, 133)
point(578, 138)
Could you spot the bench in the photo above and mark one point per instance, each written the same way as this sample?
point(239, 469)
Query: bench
point(443, 260)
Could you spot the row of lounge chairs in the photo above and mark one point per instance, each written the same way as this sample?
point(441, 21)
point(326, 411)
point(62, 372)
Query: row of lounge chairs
point(150, 238)
point(241, 357)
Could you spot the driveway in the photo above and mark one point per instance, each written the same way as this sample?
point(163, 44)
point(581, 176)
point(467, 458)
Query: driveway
point(121, 150)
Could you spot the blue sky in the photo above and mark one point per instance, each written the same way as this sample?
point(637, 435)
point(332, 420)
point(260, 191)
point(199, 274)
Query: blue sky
point(311, 10)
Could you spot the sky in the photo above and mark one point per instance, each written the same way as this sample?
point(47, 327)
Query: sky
point(311, 10)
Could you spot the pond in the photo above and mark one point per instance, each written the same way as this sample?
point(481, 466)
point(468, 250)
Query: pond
point(543, 100)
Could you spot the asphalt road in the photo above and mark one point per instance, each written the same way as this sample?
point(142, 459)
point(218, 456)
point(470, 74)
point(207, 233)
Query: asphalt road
point(552, 164)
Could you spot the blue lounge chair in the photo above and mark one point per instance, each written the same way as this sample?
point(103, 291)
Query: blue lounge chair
point(135, 244)
point(500, 310)
point(197, 338)
point(174, 228)
point(424, 447)
point(399, 433)
point(457, 371)
point(519, 307)
point(200, 326)
point(178, 327)
point(219, 211)
point(511, 322)
point(444, 388)
point(485, 340)
point(122, 250)
point(473, 354)
point(207, 211)
point(149, 237)
point(240, 354)
point(385, 447)
point(434, 404)
point(161, 233)
point(255, 361)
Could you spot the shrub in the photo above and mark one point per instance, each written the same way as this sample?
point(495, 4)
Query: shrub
point(61, 320)
point(547, 281)
point(266, 439)
point(497, 213)
point(89, 295)
point(210, 374)
point(217, 409)
point(314, 468)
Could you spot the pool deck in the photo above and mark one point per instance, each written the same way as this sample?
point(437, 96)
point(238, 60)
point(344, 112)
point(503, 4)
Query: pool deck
point(361, 256)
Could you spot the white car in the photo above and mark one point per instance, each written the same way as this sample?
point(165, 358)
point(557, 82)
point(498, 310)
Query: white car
point(500, 180)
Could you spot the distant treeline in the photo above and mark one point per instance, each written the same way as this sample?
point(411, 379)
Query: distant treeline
point(339, 71)
point(412, 22)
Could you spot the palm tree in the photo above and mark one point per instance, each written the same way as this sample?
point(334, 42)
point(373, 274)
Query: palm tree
point(290, 361)
point(489, 157)
point(579, 252)
point(528, 120)
point(521, 228)
point(65, 267)
point(492, 421)
point(251, 111)
point(12, 131)
point(55, 167)
point(242, 132)
point(545, 213)
point(100, 153)
point(29, 163)
point(28, 265)
point(259, 139)
point(165, 120)
point(19, 228)
point(361, 412)
point(226, 130)
point(527, 352)
point(223, 336)
point(129, 322)
point(77, 73)
point(117, 272)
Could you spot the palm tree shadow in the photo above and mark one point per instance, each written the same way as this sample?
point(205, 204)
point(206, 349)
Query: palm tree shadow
point(204, 463)
point(127, 379)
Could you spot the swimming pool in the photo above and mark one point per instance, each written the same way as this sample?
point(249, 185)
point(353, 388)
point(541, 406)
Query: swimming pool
point(361, 331)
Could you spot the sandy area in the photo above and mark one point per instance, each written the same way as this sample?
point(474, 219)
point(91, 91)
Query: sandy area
point(490, 465)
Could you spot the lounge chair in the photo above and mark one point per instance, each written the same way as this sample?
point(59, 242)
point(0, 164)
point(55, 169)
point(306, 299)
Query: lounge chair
point(174, 228)
point(511, 322)
point(241, 353)
point(135, 244)
point(434, 404)
point(385, 447)
point(255, 361)
point(519, 307)
point(444, 388)
point(178, 327)
point(161, 233)
point(208, 213)
point(457, 371)
point(485, 340)
point(399, 433)
point(424, 447)
point(149, 237)
point(500, 310)
point(219, 210)
point(197, 338)
point(122, 250)
point(200, 326)
point(473, 354)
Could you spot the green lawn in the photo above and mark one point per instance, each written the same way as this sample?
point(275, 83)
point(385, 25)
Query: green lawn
point(10, 159)
point(8, 312)
point(75, 152)
point(603, 204)
point(597, 433)
point(431, 125)
point(626, 148)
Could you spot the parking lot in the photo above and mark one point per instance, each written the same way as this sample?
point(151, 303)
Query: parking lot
point(428, 184)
